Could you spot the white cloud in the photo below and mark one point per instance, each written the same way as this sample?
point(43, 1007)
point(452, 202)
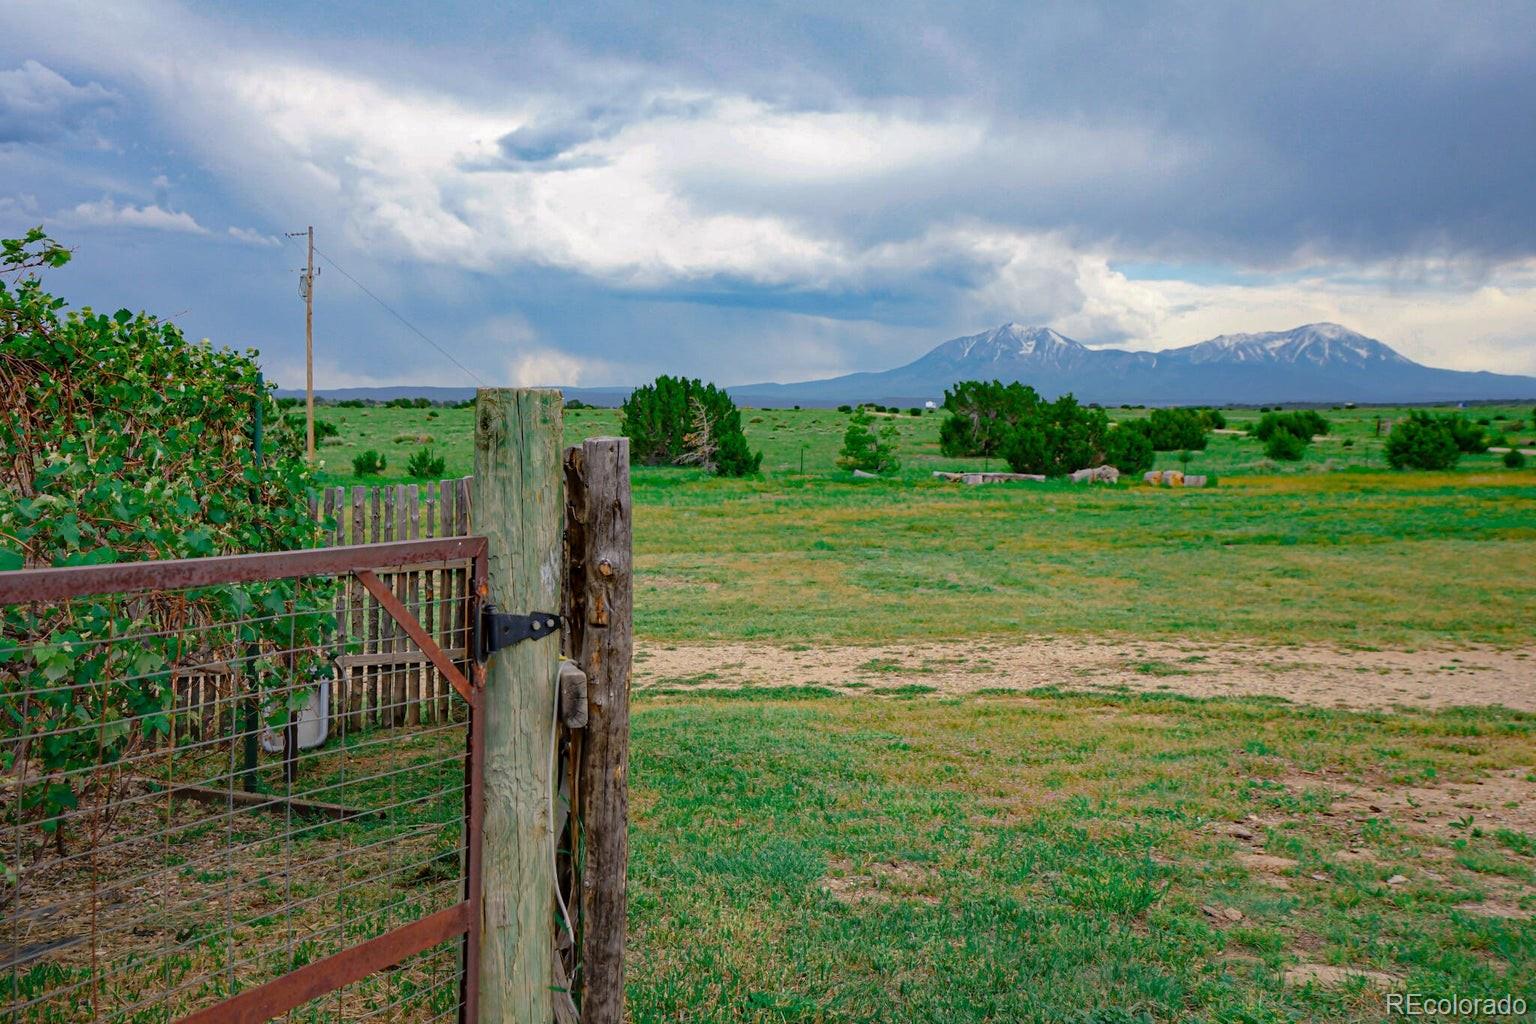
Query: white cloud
point(106, 213)
point(251, 237)
point(547, 367)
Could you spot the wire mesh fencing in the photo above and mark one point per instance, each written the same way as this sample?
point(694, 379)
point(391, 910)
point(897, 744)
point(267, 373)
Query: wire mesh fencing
point(191, 813)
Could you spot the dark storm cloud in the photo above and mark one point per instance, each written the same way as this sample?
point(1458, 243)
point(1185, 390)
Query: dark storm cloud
point(1362, 131)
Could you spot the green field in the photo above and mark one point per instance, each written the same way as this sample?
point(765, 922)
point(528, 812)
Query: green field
point(1063, 858)
point(1336, 548)
point(810, 854)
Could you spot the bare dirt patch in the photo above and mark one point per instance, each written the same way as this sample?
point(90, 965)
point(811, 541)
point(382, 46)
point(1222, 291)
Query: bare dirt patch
point(881, 881)
point(1501, 799)
point(1317, 675)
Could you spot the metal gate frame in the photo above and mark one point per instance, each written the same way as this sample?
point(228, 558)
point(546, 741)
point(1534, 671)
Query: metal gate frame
point(363, 561)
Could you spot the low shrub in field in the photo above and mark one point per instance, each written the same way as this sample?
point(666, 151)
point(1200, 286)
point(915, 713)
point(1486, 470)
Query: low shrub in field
point(1284, 446)
point(1215, 419)
point(1129, 451)
point(1470, 437)
point(867, 449)
point(1422, 441)
point(424, 463)
point(323, 428)
point(1303, 423)
point(368, 463)
point(1172, 430)
point(914, 411)
point(1514, 459)
point(676, 421)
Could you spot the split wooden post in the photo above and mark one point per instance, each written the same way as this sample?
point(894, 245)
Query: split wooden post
point(518, 505)
point(598, 615)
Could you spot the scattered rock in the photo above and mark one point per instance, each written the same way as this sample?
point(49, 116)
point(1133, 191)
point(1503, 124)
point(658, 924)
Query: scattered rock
point(1097, 475)
point(1397, 879)
point(1194, 481)
point(1328, 975)
point(1223, 914)
point(1237, 831)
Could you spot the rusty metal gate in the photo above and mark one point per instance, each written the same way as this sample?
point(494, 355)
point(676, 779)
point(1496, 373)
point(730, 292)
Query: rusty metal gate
point(195, 831)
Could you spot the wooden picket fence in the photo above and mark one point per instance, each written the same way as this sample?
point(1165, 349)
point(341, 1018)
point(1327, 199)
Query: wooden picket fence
point(382, 680)
point(386, 681)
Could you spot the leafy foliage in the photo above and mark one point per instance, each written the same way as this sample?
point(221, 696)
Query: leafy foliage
point(1514, 459)
point(1172, 430)
point(323, 428)
point(1302, 423)
point(1284, 446)
point(1032, 434)
point(659, 417)
point(369, 463)
point(425, 464)
point(1422, 441)
point(983, 414)
point(1128, 450)
point(868, 449)
point(1057, 438)
point(122, 441)
point(1469, 437)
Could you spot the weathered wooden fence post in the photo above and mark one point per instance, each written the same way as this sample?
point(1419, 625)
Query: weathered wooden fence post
point(598, 615)
point(518, 505)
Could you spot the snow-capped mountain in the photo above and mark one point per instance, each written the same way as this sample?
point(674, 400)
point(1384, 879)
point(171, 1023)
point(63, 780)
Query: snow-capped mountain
point(1312, 363)
point(1320, 345)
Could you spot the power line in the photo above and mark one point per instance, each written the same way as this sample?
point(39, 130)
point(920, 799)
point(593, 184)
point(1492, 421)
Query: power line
point(395, 313)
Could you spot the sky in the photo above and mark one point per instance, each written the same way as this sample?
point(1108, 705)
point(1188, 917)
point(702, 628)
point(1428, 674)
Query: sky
point(595, 193)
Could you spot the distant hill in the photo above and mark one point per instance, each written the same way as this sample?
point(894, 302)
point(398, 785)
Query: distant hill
point(1315, 363)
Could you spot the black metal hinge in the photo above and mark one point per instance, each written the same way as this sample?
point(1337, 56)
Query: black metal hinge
point(503, 629)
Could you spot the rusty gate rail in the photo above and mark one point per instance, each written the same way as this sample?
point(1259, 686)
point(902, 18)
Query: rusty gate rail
point(303, 982)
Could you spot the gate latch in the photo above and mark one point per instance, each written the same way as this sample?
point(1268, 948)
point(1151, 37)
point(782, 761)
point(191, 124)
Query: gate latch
point(503, 629)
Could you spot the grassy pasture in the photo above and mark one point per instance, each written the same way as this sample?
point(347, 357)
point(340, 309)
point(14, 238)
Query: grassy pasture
point(1046, 857)
point(1355, 555)
point(801, 854)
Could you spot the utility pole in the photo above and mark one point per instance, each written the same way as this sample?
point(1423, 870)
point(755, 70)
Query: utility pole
point(309, 348)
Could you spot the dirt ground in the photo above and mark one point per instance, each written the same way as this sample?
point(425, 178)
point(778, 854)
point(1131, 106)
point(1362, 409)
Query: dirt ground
point(1324, 676)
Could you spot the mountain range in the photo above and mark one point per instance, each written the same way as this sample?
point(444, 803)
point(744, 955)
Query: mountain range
point(1315, 363)
point(1312, 364)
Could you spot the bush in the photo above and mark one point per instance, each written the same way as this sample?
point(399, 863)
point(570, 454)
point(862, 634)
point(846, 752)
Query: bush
point(1172, 430)
point(865, 448)
point(323, 428)
point(1514, 459)
point(679, 422)
point(982, 415)
point(425, 464)
point(1057, 438)
point(1284, 446)
point(368, 463)
point(1303, 423)
point(914, 411)
point(1422, 441)
point(122, 441)
point(1129, 451)
point(576, 403)
point(1215, 419)
point(1470, 438)
point(845, 408)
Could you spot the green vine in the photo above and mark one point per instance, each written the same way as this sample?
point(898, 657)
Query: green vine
point(120, 440)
